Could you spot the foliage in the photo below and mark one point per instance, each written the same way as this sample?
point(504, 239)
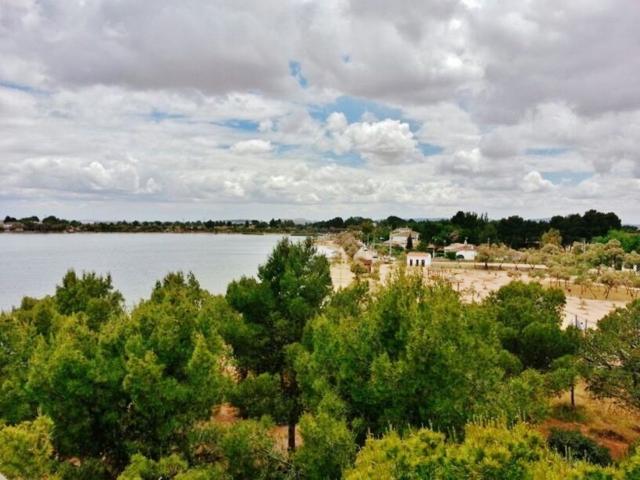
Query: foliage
point(551, 237)
point(530, 319)
point(241, 450)
point(138, 382)
point(171, 467)
point(328, 448)
point(409, 245)
point(573, 444)
point(259, 395)
point(26, 451)
point(612, 354)
point(630, 241)
point(18, 332)
point(90, 294)
point(409, 354)
point(89, 390)
point(275, 308)
point(487, 452)
point(519, 397)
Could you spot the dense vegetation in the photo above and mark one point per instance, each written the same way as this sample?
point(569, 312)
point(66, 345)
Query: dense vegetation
point(401, 382)
point(513, 231)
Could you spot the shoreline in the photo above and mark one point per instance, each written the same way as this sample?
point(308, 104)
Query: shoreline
point(292, 234)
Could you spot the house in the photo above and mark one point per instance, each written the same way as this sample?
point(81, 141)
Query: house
point(418, 259)
point(400, 236)
point(462, 251)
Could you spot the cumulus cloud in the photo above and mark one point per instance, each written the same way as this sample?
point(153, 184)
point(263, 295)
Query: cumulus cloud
point(387, 141)
point(533, 182)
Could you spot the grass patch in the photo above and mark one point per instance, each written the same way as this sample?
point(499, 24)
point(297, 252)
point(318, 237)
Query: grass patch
point(608, 424)
point(566, 413)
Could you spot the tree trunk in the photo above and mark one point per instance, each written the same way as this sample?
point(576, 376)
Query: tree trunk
point(292, 436)
point(573, 396)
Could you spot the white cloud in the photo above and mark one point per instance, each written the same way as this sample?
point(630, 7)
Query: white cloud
point(193, 105)
point(252, 147)
point(534, 182)
point(385, 142)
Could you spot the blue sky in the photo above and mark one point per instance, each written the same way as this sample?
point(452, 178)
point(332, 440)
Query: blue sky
point(315, 109)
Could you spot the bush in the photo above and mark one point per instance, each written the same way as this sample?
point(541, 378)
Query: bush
point(328, 448)
point(573, 444)
point(358, 268)
point(260, 395)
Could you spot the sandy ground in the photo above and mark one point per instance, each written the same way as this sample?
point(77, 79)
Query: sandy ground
point(586, 313)
point(341, 275)
point(476, 284)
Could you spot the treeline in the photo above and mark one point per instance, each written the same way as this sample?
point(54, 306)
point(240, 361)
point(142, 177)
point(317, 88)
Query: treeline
point(405, 382)
point(513, 231)
point(54, 224)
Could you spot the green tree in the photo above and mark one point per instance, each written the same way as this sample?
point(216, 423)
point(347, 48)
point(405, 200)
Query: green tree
point(564, 374)
point(612, 354)
point(329, 446)
point(19, 332)
point(241, 450)
point(139, 382)
point(530, 318)
point(26, 450)
point(275, 308)
point(408, 354)
point(90, 294)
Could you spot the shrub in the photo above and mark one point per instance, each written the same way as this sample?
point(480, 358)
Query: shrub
point(259, 395)
point(573, 444)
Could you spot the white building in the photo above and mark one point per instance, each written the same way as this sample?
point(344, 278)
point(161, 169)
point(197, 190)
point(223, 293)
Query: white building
point(418, 259)
point(400, 236)
point(463, 251)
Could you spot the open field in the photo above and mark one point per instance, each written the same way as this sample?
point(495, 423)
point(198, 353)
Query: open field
point(585, 306)
point(475, 285)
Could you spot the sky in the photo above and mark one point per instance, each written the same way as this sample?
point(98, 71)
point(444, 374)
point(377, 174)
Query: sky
point(198, 109)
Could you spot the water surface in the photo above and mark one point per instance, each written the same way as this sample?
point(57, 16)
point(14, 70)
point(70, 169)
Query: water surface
point(33, 264)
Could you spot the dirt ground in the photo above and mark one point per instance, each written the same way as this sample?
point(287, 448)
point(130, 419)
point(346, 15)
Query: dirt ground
point(603, 421)
point(227, 414)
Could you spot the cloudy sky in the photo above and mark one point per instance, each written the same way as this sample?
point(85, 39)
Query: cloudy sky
point(198, 109)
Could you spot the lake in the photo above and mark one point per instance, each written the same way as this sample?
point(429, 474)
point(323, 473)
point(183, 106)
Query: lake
point(33, 264)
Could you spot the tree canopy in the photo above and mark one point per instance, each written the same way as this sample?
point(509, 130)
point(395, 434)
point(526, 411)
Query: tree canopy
point(402, 380)
point(275, 308)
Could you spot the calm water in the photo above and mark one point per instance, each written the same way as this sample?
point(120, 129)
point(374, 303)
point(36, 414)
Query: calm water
point(33, 264)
